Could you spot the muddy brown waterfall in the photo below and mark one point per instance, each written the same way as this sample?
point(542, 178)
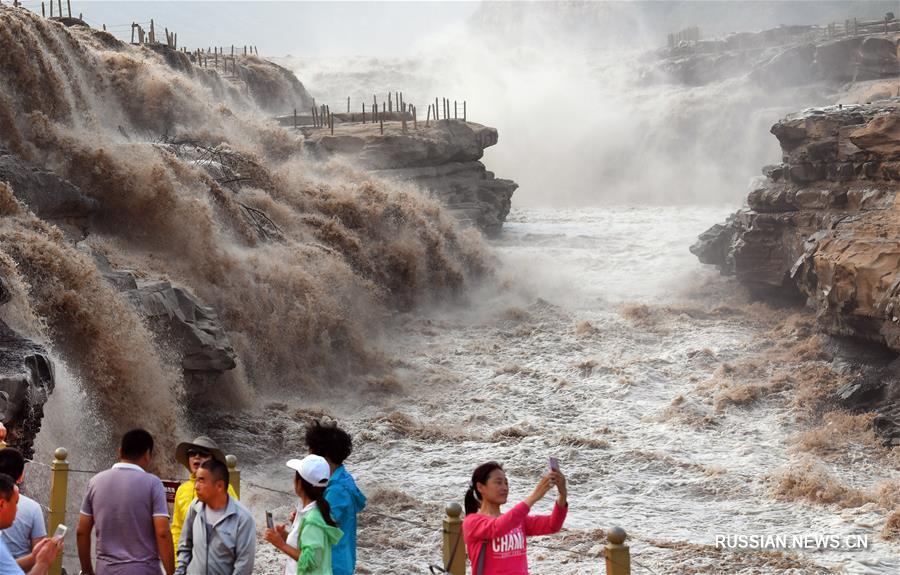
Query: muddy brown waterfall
point(180, 178)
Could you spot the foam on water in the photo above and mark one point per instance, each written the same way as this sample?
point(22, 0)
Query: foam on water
point(518, 375)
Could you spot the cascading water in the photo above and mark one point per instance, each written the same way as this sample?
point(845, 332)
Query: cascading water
point(193, 184)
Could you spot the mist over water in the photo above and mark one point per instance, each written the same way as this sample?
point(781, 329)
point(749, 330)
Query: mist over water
point(584, 115)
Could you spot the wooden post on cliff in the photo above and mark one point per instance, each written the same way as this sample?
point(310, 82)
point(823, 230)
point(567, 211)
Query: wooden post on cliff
point(69, 7)
point(59, 489)
point(59, 8)
point(348, 104)
point(43, 11)
point(454, 550)
point(295, 118)
point(464, 111)
point(618, 556)
point(364, 112)
point(415, 119)
point(381, 123)
point(390, 103)
point(428, 116)
point(331, 121)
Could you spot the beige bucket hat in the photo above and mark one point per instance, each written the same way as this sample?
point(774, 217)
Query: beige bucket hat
point(201, 442)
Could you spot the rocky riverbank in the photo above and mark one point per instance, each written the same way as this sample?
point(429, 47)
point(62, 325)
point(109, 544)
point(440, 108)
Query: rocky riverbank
point(443, 159)
point(824, 227)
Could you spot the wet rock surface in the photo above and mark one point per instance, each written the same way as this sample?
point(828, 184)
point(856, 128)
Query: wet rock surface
point(26, 381)
point(443, 159)
point(824, 225)
point(194, 330)
point(49, 196)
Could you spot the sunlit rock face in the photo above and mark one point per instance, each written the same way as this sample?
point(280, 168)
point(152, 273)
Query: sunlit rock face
point(824, 225)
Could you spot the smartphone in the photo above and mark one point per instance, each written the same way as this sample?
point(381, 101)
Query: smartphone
point(60, 531)
point(554, 464)
point(270, 523)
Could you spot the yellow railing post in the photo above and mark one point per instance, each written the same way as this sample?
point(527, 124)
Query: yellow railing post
point(59, 488)
point(234, 474)
point(454, 546)
point(618, 556)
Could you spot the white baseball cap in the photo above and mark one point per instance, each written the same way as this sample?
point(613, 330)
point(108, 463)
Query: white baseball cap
point(313, 468)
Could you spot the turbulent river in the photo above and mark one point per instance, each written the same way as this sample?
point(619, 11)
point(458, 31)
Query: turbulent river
point(610, 347)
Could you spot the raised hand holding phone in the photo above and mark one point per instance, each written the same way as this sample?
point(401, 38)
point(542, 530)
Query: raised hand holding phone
point(60, 532)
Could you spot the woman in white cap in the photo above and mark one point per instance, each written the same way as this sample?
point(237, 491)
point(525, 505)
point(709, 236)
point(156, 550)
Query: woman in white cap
point(192, 454)
point(313, 531)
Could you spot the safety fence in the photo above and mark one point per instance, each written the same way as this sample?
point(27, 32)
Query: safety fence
point(142, 33)
point(393, 108)
point(60, 470)
point(616, 553)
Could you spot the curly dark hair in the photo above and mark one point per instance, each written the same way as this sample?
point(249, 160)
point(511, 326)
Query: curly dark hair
point(329, 441)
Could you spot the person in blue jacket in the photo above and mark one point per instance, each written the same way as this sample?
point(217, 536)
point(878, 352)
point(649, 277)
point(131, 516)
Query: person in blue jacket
point(346, 500)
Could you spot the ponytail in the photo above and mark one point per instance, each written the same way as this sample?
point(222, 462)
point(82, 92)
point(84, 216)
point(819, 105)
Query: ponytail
point(472, 502)
point(317, 494)
point(480, 475)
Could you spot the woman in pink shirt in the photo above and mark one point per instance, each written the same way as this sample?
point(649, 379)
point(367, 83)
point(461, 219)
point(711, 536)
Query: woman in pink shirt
point(501, 537)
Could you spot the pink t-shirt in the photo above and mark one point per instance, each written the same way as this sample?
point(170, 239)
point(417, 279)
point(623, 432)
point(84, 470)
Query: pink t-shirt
point(505, 553)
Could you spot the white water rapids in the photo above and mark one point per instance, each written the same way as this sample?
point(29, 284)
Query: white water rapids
point(600, 321)
point(517, 376)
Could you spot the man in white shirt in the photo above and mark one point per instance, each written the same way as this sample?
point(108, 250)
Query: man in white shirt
point(28, 528)
point(45, 551)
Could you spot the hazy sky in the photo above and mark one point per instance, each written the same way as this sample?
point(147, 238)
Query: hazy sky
point(382, 28)
point(280, 28)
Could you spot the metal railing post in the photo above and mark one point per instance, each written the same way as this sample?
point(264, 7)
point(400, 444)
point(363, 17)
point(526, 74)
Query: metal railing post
point(454, 547)
point(618, 556)
point(234, 474)
point(59, 488)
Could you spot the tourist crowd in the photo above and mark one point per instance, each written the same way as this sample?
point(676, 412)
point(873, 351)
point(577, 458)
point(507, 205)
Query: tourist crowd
point(212, 533)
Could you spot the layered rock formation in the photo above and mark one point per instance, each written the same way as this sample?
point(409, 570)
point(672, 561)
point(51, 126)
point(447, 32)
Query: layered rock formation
point(193, 330)
point(443, 159)
point(825, 223)
point(786, 56)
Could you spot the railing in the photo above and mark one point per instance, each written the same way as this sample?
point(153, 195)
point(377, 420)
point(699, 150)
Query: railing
point(59, 490)
point(618, 555)
point(394, 108)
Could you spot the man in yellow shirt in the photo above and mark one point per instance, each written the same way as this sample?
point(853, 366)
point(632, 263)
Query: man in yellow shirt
point(192, 455)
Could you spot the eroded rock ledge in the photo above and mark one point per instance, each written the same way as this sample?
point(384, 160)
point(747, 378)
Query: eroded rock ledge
point(825, 225)
point(442, 159)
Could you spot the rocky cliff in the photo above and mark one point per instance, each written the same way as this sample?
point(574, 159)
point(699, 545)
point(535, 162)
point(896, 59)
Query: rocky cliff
point(442, 159)
point(824, 225)
point(785, 56)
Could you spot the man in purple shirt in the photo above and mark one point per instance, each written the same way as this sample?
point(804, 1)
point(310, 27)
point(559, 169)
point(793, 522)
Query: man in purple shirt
point(127, 505)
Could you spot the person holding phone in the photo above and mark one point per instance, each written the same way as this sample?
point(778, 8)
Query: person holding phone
point(45, 551)
point(313, 532)
point(495, 541)
point(29, 528)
